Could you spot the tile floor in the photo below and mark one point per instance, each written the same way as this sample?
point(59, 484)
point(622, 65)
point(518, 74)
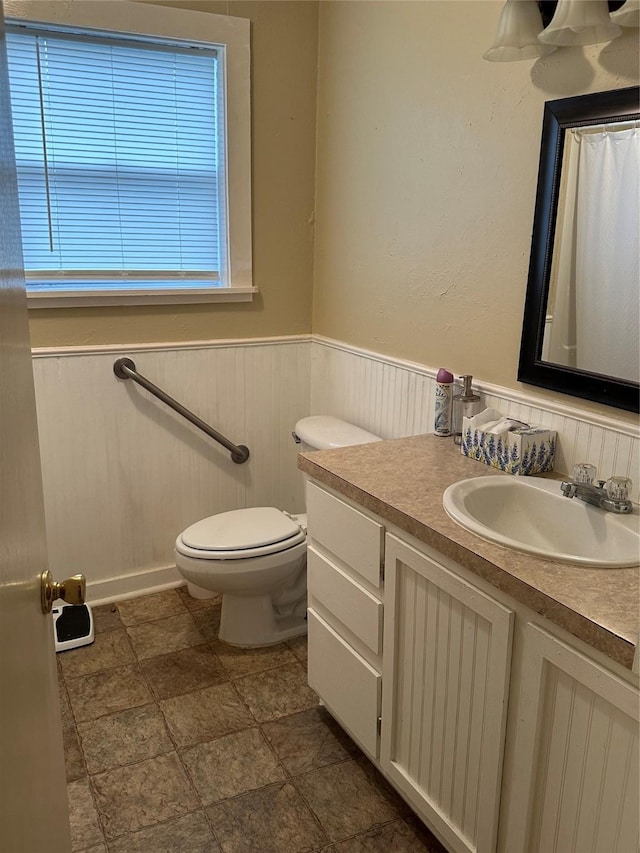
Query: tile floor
point(175, 741)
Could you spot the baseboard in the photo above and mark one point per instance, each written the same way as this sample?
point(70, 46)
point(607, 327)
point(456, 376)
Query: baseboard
point(133, 585)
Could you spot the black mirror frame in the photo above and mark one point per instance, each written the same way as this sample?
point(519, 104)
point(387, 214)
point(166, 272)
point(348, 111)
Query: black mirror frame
point(600, 108)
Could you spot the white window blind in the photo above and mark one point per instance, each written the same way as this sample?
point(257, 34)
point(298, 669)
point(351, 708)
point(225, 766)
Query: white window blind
point(121, 162)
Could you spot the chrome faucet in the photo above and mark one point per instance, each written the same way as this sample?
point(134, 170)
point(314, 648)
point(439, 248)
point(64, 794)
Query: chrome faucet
point(611, 495)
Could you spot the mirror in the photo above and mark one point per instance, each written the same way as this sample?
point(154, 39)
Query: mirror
point(581, 329)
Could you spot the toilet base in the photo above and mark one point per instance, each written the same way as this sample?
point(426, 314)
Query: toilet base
point(250, 622)
point(200, 593)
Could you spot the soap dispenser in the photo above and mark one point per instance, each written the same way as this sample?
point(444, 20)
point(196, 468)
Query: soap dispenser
point(466, 404)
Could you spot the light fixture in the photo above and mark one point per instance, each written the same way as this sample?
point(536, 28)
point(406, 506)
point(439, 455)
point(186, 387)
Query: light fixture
point(580, 22)
point(517, 33)
point(627, 15)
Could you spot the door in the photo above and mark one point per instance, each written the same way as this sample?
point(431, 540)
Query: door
point(33, 802)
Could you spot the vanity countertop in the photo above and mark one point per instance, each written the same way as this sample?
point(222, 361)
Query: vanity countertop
point(402, 481)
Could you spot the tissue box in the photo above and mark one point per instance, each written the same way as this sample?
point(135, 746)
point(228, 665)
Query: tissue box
point(520, 451)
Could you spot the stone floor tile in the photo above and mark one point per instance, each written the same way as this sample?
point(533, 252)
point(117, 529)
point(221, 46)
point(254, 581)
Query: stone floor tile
point(65, 705)
point(299, 647)
point(197, 603)
point(83, 817)
point(106, 618)
point(188, 834)
point(106, 692)
point(208, 621)
point(397, 836)
point(164, 635)
point(277, 692)
point(183, 671)
point(271, 820)
point(309, 740)
point(73, 760)
point(240, 662)
point(124, 738)
point(150, 803)
point(147, 608)
point(108, 650)
point(205, 714)
point(384, 788)
point(428, 838)
point(344, 800)
point(140, 795)
point(232, 765)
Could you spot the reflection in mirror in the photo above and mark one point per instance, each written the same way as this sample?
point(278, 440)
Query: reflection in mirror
point(593, 309)
point(581, 330)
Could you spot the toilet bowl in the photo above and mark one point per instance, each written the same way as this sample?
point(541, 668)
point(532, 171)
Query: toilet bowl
point(256, 557)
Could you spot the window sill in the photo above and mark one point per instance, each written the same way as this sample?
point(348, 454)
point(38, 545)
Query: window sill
point(178, 296)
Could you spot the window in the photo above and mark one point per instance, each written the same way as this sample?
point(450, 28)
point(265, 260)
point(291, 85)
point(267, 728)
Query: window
point(121, 147)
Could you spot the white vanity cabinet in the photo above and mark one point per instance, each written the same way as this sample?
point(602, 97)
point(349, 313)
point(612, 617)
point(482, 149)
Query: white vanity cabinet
point(447, 653)
point(345, 554)
point(573, 782)
point(502, 731)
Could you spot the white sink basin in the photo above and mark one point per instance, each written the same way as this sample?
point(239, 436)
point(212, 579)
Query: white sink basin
point(532, 515)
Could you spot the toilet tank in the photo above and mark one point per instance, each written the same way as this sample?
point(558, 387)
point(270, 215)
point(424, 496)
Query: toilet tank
point(323, 432)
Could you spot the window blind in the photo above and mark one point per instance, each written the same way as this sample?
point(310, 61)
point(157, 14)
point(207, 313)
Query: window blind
point(120, 157)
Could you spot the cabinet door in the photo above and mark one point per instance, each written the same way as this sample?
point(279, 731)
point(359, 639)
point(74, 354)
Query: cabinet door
point(446, 659)
point(576, 756)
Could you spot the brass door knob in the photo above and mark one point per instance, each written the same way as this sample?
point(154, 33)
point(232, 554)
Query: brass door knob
point(72, 590)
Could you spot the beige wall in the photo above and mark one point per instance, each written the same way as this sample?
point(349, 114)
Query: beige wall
point(427, 160)
point(284, 56)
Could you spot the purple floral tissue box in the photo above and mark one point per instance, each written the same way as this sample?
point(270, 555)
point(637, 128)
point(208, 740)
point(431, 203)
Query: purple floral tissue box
point(519, 451)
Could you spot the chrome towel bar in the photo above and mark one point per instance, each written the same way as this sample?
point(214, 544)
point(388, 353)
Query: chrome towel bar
point(125, 368)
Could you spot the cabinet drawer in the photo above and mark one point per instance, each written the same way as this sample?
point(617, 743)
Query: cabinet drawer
point(352, 604)
point(352, 536)
point(350, 688)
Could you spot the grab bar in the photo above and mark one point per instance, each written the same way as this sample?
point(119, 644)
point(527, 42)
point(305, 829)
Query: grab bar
point(125, 368)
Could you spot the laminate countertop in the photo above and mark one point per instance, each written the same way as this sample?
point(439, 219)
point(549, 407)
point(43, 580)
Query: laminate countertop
point(402, 481)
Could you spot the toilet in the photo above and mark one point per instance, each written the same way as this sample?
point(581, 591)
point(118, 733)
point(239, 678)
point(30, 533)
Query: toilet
point(257, 557)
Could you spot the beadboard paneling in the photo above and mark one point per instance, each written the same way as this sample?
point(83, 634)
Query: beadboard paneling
point(393, 399)
point(123, 474)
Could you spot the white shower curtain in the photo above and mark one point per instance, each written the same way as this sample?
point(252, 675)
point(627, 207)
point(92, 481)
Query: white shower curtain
point(561, 341)
point(597, 318)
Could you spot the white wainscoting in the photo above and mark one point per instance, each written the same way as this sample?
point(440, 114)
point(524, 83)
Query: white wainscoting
point(123, 474)
point(395, 398)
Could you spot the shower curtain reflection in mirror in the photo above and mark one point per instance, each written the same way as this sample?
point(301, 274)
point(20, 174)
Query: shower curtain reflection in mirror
point(593, 316)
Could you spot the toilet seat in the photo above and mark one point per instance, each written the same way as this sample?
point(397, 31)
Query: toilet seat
point(240, 534)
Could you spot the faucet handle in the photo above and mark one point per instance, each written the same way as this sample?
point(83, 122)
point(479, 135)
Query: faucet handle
point(618, 488)
point(583, 473)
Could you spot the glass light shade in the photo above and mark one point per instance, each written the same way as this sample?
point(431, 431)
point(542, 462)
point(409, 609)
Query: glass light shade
point(517, 33)
point(627, 15)
point(580, 22)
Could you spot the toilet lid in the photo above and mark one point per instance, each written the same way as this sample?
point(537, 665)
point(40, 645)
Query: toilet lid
point(265, 528)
